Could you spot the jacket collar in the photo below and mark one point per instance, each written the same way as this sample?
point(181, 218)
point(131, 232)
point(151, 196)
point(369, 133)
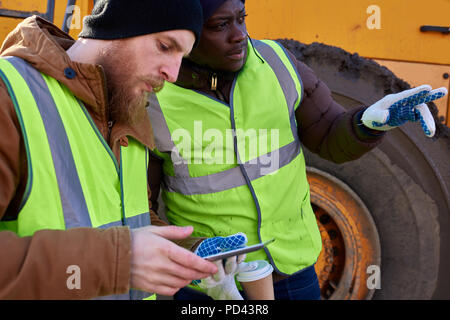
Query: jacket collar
point(194, 76)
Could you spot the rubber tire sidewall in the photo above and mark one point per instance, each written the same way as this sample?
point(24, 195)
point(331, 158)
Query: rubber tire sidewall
point(403, 182)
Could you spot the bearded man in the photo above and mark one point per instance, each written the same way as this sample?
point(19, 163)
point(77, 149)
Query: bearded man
point(74, 204)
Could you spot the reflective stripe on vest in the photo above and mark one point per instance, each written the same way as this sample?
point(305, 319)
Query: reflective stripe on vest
point(250, 195)
point(220, 181)
point(73, 177)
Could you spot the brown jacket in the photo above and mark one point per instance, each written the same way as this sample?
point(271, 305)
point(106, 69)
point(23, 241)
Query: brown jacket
point(36, 267)
point(324, 126)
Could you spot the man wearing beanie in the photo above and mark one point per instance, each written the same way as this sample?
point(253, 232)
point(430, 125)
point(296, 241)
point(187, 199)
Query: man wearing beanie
point(74, 197)
point(249, 108)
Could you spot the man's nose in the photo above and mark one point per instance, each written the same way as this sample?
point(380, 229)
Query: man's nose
point(170, 69)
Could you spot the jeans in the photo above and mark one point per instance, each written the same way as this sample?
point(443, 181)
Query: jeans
point(303, 285)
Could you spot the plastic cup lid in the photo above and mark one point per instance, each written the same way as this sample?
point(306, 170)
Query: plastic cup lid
point(259, 270)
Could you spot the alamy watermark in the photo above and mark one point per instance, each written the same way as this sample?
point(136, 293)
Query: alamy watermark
point(213, 146)
point(374, 20)
point(74, 280)
point(374, 280)
point(74, 19)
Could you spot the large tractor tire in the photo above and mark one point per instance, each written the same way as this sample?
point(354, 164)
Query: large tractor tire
point(384, 218)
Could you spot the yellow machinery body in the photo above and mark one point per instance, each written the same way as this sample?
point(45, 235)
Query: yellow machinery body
point(387, 31)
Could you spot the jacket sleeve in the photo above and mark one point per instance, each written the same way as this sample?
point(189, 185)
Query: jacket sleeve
point(40, 266)
point(78, 263)
point(325, 127)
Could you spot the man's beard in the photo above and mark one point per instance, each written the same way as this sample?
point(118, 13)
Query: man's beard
point(124, 105)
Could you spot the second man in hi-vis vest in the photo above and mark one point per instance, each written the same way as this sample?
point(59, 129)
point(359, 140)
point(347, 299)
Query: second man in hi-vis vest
point(74, 206)
point(229, 136)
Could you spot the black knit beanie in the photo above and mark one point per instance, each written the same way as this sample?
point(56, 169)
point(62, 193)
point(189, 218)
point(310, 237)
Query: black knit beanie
point(118, 19)
point(210, 6)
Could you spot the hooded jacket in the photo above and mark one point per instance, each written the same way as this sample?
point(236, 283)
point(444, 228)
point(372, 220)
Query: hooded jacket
point(36, 267)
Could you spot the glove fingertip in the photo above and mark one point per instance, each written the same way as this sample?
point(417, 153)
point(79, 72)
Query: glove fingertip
point(424, 87)
point(441, 90)
point(429, 131)
point(241, 258)
point(426, 120)
point(237, 240)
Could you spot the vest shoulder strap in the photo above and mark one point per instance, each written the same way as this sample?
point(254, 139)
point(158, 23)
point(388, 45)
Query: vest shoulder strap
point(279, 60)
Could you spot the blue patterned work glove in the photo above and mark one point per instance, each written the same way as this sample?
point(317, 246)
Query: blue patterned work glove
point(396, 109)
point(220, 244)
point(222, 285)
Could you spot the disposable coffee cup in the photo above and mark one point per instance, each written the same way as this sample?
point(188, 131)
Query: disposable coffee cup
point(257, 281)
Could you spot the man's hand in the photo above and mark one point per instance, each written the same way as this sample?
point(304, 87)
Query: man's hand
point(409, 105)
point(160, 266)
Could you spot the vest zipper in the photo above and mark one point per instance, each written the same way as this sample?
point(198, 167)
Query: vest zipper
point(244, 173)
point(107, 109)
point(110, 125)
point(124, 218)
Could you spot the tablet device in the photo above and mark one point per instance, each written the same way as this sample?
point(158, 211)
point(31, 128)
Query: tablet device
point(236, 252)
